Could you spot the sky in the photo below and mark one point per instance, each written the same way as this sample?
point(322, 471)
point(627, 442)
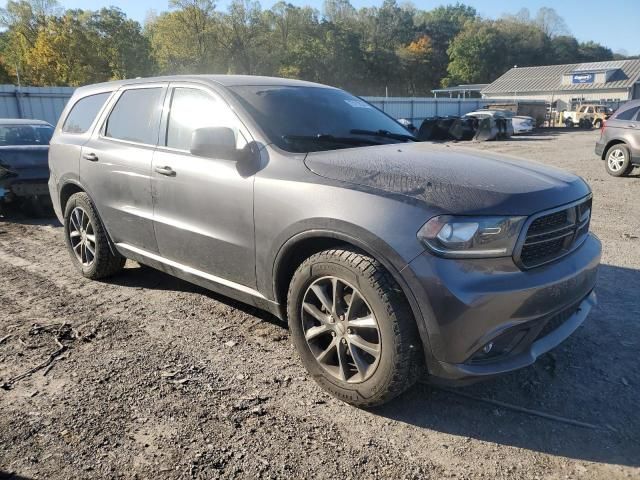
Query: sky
point(613, 23)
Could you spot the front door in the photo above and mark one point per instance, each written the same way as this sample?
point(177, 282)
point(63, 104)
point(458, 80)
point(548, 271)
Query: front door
point(115, 165)
point(203, 207)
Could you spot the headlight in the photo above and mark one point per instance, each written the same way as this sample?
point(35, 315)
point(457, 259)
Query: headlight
point(471, 237)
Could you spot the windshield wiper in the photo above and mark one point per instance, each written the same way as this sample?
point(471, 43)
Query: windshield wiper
point(384, 133)
point(323, 137)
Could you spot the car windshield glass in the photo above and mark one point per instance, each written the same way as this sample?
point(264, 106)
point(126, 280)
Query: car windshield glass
point(308, 119)
point(25, 135)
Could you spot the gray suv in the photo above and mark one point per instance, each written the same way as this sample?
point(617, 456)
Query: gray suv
point(619, 143)
point(387, 257)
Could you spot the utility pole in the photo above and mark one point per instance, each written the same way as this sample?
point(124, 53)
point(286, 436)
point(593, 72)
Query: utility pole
point(19, 94)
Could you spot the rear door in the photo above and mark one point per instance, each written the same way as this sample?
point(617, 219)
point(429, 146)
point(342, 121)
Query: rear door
point(203, 207)
point(115, 164)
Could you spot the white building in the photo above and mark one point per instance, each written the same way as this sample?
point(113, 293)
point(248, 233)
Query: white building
point(610, 82)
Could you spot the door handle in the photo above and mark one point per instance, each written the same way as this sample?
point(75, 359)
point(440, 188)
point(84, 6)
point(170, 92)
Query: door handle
point(168, 171)
point(92, 157)
point(633, 125)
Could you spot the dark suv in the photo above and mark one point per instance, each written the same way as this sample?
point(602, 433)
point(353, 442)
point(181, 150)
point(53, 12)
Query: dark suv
point(619, 142)
point(385, 255)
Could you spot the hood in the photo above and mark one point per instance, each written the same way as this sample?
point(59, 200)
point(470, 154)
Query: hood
point(453, 179)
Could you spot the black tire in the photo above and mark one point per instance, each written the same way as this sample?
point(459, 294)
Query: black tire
point(104, 263)
point(598, 123)
point(400, 361)
point(568, 123)
point(621, 167)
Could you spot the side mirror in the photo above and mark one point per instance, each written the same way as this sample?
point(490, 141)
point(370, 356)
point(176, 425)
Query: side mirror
point(215, 142)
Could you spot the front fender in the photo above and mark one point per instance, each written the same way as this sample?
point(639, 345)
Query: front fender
point(321, 229)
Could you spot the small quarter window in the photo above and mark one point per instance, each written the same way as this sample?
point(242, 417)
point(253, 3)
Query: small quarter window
point(84, 112)
point(136, 116)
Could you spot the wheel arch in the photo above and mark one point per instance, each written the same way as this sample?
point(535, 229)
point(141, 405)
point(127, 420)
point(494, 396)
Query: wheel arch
point(69, 189)
point(66, 191)
point(611, 143)
point(304, 244)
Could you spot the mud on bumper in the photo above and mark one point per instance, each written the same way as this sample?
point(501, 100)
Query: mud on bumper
point(486, 317)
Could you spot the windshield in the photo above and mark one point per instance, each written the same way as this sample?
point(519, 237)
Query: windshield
point(308, 119)
point(25, 135)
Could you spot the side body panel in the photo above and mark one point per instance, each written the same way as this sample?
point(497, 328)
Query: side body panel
point(65, 150)
point(117, 176)
point(203, 210)
point(290, 200)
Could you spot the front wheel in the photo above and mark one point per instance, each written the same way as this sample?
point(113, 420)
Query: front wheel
point(353, 328)
point(618, 161)
point(568, 123)
point(87, 240)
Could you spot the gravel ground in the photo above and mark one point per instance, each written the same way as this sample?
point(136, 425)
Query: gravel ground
point(157, 378)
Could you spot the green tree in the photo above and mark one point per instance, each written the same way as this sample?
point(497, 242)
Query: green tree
point(23, 19)
point(182, 40)
point(63, 53)
point(416, 59)
point(121, 43)
point(564, 49)
point(476, 54)
point(240, 33)
point(594, 52)
point(442, 25)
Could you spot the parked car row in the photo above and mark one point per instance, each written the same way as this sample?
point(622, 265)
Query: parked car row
point(481, 125)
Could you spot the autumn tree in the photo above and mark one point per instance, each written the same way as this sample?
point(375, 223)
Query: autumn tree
point(416, 59)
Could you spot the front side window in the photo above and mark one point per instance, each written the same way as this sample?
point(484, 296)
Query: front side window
point(25, 135)
point(192, 109)
point(84, 112)
point(628, 114)
point(136, 116)
point(307, 119)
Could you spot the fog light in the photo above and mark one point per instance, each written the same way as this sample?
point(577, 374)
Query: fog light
point(487, 348)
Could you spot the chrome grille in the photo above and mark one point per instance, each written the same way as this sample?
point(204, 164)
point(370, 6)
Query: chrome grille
point(554, 234)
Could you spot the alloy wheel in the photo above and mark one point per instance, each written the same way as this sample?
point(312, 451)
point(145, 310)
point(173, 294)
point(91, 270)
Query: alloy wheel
point(341, 329)
point(616, 160)
point(82, 237)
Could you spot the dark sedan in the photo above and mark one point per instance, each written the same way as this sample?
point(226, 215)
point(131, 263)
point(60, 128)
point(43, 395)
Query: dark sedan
point(24, 168)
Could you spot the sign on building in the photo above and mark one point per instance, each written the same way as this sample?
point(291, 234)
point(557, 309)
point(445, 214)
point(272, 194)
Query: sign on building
point(582, 78)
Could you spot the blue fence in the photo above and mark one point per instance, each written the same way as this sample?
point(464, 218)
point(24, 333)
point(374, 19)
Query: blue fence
point(47, 103)
point(417, 109)
point(42, 103)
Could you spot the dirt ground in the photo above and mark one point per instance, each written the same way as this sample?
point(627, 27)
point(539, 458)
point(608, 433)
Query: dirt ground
point(161, 379)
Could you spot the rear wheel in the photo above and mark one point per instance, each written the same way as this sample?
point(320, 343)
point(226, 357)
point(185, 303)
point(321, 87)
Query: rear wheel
point(353, 328)
point(87, 240)
point(618, 161)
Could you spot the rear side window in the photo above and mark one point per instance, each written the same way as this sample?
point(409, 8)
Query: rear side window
point(84, 113)
point(628, 114)
point(136, 116)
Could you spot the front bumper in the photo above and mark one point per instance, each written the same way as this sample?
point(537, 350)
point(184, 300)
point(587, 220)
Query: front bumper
point(526, 356)
point(599, 150)
point(468, 304)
